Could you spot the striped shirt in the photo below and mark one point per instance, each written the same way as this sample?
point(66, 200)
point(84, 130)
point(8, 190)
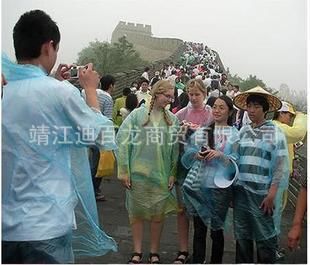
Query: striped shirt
point(263, 157)
point(105, 102)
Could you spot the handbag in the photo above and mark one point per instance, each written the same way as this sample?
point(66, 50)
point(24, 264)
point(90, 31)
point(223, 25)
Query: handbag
point(106, 165)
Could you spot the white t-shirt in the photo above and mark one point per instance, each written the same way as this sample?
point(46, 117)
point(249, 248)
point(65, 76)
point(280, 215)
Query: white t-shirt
point(146, 76)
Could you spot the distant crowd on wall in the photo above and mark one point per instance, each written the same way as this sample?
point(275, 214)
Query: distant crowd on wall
point(197, 62)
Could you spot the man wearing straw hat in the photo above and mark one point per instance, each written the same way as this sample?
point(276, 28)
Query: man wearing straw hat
point(263, 169)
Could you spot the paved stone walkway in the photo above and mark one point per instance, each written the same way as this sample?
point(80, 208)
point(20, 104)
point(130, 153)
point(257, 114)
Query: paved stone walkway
point(114, 220)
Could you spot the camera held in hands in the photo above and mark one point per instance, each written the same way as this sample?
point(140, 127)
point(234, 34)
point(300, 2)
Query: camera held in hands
point(203, 150)
point(74, 70)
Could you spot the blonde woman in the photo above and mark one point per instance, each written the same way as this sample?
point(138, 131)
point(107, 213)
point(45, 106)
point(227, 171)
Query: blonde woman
point(147, 159)
point(193, 116)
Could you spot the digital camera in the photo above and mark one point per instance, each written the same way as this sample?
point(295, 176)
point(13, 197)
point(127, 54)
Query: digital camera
point(74, 71)
point(203, 149)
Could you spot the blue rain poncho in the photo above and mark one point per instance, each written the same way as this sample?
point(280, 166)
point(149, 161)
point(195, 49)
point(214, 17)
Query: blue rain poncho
point(263, 162)
point(202, 196)
point(47, 190)
point(148, 155)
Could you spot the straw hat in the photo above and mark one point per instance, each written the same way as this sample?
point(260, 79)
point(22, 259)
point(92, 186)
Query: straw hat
point(274, 102)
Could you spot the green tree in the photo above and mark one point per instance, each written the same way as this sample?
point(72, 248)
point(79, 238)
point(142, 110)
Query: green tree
point(235, 79)
point(108, 58)
point(250, 82)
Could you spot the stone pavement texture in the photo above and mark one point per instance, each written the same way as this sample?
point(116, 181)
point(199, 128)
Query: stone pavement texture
point(114, 220)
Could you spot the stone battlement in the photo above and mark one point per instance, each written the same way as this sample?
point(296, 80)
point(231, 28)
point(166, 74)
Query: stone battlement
point(149, 47)
point(126, 27)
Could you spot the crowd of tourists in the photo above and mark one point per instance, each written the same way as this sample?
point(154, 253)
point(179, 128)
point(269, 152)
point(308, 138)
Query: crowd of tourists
point(186, 141)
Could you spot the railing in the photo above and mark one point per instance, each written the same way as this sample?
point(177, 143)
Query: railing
point(299, 170)
point(126, 78)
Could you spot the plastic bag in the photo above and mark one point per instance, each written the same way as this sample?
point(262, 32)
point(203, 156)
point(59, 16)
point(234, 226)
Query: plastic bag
point(106, 165)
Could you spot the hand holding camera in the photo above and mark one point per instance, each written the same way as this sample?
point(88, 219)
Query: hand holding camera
point(204, 150)
point(74, 70)
point(89, 78)
point(206, 153)
point(63, 72)
point(202, 154)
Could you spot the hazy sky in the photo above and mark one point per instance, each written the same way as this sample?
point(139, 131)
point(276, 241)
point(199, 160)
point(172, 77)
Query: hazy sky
point(262, 37)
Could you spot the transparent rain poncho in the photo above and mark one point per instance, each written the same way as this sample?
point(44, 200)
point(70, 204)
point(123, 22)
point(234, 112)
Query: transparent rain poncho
point(46, 186)
point(263, 162)
point(148, 155)
point(202, 196)
point(293, 134)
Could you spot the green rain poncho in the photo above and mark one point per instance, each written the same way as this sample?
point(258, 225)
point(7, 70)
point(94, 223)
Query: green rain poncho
point(148, 154)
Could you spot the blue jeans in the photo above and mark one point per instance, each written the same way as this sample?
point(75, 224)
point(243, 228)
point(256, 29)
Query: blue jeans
point(50, 251)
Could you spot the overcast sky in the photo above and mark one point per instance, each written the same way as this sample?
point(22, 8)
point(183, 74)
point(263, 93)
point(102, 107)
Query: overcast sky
point(266, 38)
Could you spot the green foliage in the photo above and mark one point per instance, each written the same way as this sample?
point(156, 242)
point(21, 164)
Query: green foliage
point(250, 82)
point(111, 58)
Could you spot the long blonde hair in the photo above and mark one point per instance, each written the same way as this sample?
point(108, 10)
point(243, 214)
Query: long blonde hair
point(159, 87)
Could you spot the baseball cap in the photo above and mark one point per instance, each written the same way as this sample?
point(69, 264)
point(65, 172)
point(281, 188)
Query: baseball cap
point(287, 107)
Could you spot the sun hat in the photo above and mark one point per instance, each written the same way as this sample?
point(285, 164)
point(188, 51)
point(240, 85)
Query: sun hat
point(274, 103)
point(287, 107)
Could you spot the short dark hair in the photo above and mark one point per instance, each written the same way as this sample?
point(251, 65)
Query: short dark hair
point(210, 101)
point(32, 30)
point(126, 91)
point(143, 80)
point(106, 81)
point(131, 102)
point(258, 99)
point(215, 84)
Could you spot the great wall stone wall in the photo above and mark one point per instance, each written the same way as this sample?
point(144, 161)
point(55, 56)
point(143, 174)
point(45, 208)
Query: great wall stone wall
point(149, 47)
point(124, 79)
point(156, 51)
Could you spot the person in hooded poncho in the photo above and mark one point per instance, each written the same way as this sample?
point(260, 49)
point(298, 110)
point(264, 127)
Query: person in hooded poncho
point(194, 115)
point(207, 187)
point(263, 172)
point(49, 211)
point(147, 158)
point(294, 126)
